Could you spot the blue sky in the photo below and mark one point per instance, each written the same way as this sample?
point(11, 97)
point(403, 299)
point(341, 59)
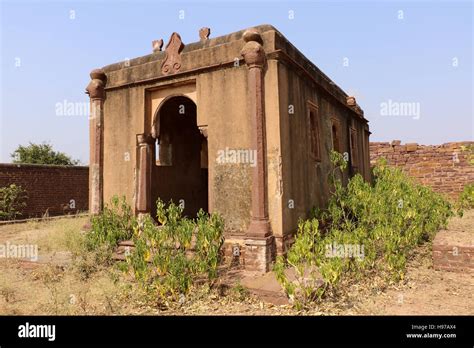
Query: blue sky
point(412, 53)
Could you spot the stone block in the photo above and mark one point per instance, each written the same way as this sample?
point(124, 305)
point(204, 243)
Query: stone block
point(259, 254)
point(396, 142)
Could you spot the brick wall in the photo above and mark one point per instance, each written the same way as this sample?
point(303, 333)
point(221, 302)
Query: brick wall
point(444, 167)
point(49, 188)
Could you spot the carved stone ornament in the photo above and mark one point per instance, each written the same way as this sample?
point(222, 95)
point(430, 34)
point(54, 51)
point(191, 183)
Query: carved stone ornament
point(253, 52)
point(351, 101)
point(172, 62)
point(204, 33)
point(157, 45)
point(95, 88)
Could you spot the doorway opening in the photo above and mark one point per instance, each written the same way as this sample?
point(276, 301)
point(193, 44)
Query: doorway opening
point(180, 172)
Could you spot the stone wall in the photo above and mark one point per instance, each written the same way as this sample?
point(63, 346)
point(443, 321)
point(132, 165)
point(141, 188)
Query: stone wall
point(453, 248)
point(57, 190)
point(444, 167)
point(456, 258)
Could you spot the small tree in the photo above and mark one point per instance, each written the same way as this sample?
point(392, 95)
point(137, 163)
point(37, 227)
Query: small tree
point(41, 154)
point(12, 201)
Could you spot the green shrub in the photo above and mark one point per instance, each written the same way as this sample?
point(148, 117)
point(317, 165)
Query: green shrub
point(115, 223)
point(169, 259)
point(383, 222)
point(12, 201)
point(465, 200)
point(303, 259)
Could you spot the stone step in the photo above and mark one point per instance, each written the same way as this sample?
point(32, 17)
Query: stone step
point(266, 288)
point(123, 248)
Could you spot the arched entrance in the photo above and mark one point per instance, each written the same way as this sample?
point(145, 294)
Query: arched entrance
point(180, 170)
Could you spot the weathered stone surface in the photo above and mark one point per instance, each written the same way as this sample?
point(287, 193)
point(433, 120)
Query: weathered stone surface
point(453, 248)
point(351, 101)
point(235, 92)
point(96, 87)
point(157, 45)
point(204, 33)
point(396, 142)
point(265, 287)
point(172, 61)
point(259, 254)
point(411, 147)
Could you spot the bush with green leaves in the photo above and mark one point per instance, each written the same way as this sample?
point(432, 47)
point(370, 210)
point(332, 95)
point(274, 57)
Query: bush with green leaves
point(465, 200)
point(115, 223)
point(12, 201)
point(168, 259)
point(302, 258)
point(385, 220)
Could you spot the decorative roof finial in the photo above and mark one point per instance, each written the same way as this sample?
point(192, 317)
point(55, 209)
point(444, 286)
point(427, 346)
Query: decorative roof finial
point(253, 52)
point(351, 101)
point(172, 62)
point(157, 45)
point(96, 88)
point(204, 33)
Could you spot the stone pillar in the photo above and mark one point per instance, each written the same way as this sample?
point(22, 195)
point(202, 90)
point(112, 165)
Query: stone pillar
point(259, 240)
point(96, 92)
point(144, 168)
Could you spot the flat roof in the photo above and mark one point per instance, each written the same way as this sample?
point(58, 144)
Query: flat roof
point(283, 50)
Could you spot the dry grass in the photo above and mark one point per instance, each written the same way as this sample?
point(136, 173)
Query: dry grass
point(67, 280)
point(56, 284)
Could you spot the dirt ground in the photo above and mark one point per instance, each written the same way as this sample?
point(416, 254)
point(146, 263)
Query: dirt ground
point(66, 281)
point(428, 291)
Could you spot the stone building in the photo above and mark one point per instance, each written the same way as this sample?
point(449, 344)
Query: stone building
point(242, 124)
